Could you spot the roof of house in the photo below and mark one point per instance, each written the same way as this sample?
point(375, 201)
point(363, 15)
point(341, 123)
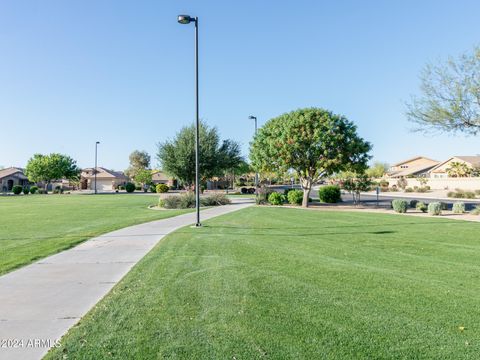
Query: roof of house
point(413, 159)
point(412, 170)
point(11, 171)
point(472, 160)
point(103, 173)
point(160, 176)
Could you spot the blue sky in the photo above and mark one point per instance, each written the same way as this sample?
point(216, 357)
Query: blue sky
point(121, 72)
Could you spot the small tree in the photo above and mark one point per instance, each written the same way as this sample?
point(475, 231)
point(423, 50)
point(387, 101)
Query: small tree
point(177, 157)
point(377, 170)
point(450, 99)
point(143, 177)
point(139, 160)
point(356, 184)
point(51, 167)
point(313, 142)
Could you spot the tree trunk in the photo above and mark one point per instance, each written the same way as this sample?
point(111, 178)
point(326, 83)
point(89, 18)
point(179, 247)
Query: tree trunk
point(307, 187)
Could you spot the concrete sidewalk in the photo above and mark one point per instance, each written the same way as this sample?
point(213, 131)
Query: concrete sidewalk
point(41, 301)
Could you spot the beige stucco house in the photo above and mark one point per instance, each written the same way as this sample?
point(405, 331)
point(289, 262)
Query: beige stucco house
point(415, 167)
point(10, 177)
point(159, 177)
point(441, 170)
point(107, 180)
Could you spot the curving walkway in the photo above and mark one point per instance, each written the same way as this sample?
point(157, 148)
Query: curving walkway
point(41, 301)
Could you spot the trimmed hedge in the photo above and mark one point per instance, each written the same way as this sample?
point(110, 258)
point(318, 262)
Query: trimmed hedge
point(33, 189)
point(17, 189)
point(459, 208)
point(400, 206)
point(435, 208)
point(129, 187)
point(161, 188)
point(421, 206)
point(295, 197)
point(275, 198)
point(329, 194)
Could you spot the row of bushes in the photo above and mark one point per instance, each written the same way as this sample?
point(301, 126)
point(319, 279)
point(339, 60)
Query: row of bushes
point(434, 208)
point(394, 188)
point(327, 194)
point(463, 194)
point(187, 200)
point(17, 190)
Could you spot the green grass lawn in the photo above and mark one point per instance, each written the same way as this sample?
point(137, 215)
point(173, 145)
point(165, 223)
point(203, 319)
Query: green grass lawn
point(34, 226)
point(293, 284)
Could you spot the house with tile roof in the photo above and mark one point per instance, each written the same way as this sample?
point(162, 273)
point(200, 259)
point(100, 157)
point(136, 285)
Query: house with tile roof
point(12, 176)
point(441, 171)
point(419, 166)
point(107, 180)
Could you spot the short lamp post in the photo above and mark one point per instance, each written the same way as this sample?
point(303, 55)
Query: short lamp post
point(184, 20)
point(251, 117)
point(95, 169)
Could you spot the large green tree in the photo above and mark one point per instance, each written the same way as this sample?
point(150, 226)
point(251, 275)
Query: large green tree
point(313, 142)
point(177, 156)
point(139, 160)
point(450, 96)
point(45, 168)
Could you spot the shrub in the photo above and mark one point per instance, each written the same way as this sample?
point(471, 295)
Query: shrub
point(402, 183)
point(422, 190)
point(187, 200)
point(469, 195)
point(33, 189)
point(286, 191)
point(413, 204)
point(477, 192)
point(162, 188)
point(329, 194)
point(427, 187)
point(275, 198)
point(400, 206)
point(58, 190)
point(42, 191)
point(295, 197)
point(435, 208)
point(244, 190)
point(153, 189)
point(138, 187)
point(421, 206)
point(394, 188)
point(476, 210)
point(383, 183)
point(451, 194)
point(26, 190)
point(129, 187)
point(408, 190)
point(459, 208)
point(215, 200)
point(444, 205)
point(17, 189)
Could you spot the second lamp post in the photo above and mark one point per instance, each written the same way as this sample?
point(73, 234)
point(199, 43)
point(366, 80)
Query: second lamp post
point(186, 19)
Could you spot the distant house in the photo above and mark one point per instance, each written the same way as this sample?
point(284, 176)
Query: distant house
point(441, 170)
point(10, 177)
point(159, 177)
point(107, 180)
point(419, 166)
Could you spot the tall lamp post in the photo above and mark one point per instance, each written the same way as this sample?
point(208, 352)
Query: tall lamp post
point(184, 20)
point(95, 170)
point(251, 117)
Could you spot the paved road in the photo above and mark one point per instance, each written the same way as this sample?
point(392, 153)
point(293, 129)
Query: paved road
point(41, 301)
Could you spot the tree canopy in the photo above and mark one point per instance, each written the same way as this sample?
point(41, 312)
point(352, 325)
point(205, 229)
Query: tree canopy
point(51, 167)
point(139, 160)
point(450, 96)
point(377, 170)
point(313, 142)
point(177, 156)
